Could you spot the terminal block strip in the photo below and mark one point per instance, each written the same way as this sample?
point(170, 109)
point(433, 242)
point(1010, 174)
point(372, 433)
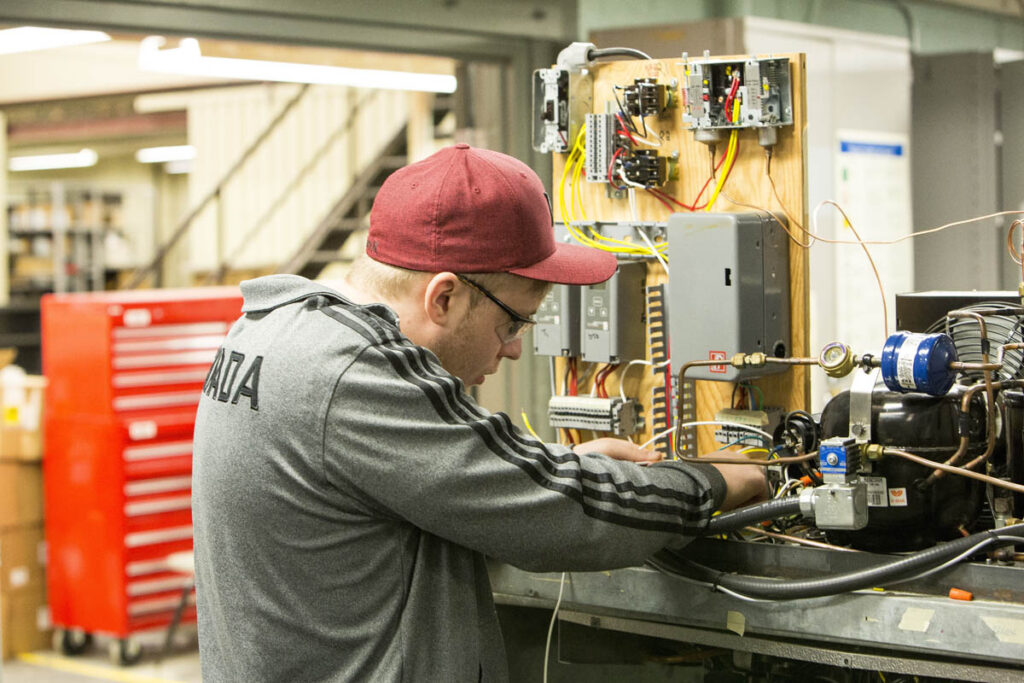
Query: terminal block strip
point(614, 415)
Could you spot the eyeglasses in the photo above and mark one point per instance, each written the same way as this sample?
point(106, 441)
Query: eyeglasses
point(514, 328)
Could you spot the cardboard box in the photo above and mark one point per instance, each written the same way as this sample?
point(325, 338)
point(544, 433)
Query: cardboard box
point(20, 444)
point(25, 622)
point(22, 559)
point(21, 493)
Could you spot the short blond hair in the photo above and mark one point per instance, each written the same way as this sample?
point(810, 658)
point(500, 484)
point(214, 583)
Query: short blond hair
point(393, 282)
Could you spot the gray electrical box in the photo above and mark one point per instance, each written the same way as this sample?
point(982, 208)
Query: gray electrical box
point(728, 291)
point(557, 332)
point(613, 316)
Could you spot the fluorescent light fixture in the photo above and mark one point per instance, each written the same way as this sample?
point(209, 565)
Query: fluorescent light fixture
point(156, 155)
point(44, 162)
point(32, 38)
point(187, 59)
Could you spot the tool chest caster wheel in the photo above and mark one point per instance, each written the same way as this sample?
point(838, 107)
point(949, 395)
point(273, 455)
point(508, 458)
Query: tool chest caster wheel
point(125, 651)
point(72, 641)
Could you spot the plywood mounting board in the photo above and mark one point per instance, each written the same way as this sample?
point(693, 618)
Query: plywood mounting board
point(747, 187)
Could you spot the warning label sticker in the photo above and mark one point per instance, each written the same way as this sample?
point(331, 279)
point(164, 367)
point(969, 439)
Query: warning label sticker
point(717, 355)
point(898, 497)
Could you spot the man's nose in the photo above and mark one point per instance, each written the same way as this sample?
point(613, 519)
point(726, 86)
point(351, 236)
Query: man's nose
point(512, 350)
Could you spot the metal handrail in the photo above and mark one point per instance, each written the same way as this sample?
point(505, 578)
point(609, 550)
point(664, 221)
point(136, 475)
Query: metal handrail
point(216, 276)
point(140, 274)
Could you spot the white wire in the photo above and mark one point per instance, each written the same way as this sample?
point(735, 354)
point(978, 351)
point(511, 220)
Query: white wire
point(623, 178)
point(647, 142)
point(551, 375)
point(654, 438)
point(654, 249)
point(631, 193)
point(735, 425)
point(551, 626)
point(784, 488)
point(622, 377)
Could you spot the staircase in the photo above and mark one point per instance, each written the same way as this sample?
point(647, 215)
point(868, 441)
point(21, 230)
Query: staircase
point(350, 215)
point(272, 164)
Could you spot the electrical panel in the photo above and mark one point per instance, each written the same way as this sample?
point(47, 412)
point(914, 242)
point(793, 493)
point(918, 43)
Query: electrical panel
point(613, 316)
point(728, 292)
point(761, 88)
point(557, 332)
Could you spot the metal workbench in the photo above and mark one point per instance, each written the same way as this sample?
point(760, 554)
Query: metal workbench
point(913, 628)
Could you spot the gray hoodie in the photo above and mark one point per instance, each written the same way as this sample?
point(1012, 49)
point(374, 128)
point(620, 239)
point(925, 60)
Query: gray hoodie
point(346, 489)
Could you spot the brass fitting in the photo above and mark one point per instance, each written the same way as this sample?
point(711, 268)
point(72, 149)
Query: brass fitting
point(873, 451)
point(837, 360)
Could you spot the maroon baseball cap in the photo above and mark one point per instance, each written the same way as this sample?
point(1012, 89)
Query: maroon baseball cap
point(468, 210)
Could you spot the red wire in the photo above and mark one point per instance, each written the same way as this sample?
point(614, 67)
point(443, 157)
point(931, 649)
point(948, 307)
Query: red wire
point(572, 377)
point(611, 166)
point(625, 129)
point(732, 94)
point(693, 207)
point(661, 197)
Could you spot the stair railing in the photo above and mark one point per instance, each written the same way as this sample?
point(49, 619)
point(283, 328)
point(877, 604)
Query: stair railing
point(155, 265)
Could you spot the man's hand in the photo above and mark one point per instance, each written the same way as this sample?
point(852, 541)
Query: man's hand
point(618, 449)
point(745, 484)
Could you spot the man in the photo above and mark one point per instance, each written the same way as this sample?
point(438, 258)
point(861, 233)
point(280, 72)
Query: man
point(346, 488)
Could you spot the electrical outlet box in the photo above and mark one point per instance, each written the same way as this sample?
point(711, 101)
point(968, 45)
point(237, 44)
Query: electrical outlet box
point(557, 332)
point(728, 292)
point(613, 316)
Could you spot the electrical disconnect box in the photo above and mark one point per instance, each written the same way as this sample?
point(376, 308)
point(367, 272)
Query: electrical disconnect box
point(728, 292)
point(613, 316)
point(560, 100)
point(557, 332)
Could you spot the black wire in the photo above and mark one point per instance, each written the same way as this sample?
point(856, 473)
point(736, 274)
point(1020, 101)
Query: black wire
point(622, 110)
point(595, 54)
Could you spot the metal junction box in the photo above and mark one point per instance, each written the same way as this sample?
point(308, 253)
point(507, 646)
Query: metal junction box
point(613, 316)
point(557, 332)
point(728, 291)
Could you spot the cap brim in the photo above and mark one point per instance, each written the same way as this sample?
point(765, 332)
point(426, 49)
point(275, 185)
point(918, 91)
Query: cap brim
point(572, 264)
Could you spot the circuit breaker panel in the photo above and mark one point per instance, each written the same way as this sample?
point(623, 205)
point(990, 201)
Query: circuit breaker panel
point(729, 292)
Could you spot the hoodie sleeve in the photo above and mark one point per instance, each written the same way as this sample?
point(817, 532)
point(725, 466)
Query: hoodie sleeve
point(402, 436)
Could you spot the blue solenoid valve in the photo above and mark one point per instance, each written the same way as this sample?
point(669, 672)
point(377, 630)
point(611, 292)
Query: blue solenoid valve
point(918, 362)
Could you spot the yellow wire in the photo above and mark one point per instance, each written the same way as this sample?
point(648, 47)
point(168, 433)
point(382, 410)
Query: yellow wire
point(574, 165)
point(730, 156)
point(526, 422)
point(577, 193)
point(755, 450)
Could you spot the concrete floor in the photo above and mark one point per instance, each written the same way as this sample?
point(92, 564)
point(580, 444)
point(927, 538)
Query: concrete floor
point(181, 666)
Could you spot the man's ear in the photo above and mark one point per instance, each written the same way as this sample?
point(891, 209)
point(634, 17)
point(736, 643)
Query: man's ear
point(443, 300)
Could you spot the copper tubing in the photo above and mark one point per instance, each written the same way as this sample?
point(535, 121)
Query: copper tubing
point(798, 540)
point(986, 368)
point(965, 406)
point(791, 361)
point(762, 462)
point(1016, 488)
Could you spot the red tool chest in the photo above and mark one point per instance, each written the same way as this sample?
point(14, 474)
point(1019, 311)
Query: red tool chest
point(125, 372)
